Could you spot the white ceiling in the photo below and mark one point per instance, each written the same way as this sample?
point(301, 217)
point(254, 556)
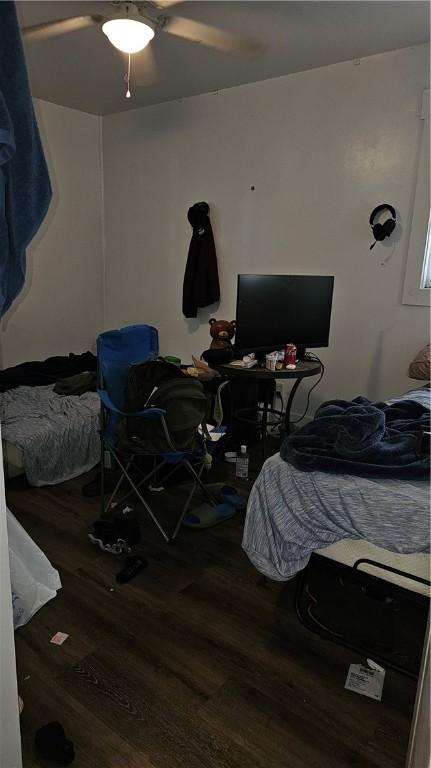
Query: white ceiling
point(82, 69)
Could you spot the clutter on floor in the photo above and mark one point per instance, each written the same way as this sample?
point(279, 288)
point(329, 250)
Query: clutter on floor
point(132, 567)
point(197, 613)
point(59, 638)
point(206, 516)
point(51, 743)
point(118, 535)
point(367, 681)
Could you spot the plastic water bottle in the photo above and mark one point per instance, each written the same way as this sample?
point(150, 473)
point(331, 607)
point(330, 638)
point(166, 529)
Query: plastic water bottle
point(242, 460)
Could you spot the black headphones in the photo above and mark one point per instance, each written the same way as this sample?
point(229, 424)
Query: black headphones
point(381, 231)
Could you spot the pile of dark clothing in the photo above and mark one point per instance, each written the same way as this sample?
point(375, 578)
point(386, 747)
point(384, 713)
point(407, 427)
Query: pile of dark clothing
point(72, 374)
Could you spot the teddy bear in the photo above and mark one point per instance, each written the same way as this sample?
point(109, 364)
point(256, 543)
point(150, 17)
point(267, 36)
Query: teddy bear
point(222, 331)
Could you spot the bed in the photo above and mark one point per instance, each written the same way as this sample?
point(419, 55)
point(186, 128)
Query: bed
point(292, 514)
point(361, 548)
point(49, 437)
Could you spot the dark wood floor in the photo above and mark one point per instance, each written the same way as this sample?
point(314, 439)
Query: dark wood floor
point(197, 663)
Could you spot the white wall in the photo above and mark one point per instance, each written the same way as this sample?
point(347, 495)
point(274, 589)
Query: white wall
point(321, 148)
point(60, 308)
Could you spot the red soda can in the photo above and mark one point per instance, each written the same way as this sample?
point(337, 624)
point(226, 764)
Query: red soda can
point(290, 354)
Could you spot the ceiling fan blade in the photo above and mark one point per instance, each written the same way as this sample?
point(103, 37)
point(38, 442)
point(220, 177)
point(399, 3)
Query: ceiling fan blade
point(212, 37)
point(59, 27)
point(167, 3)
point(143, 70)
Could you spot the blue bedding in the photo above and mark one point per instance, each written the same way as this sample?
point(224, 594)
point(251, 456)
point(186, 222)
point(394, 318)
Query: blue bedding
point(361, 437)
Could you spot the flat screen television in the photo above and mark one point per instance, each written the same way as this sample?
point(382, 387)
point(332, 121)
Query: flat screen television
point(274, 310)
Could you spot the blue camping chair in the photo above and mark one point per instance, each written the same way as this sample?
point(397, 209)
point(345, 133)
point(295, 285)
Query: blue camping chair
point(117, 350)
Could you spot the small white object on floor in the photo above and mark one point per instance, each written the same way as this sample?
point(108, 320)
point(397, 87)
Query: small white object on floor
point(20, 704)
point(59, 638)
point(366, 681)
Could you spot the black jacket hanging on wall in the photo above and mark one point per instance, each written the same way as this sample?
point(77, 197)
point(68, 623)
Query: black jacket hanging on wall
point(201, 284)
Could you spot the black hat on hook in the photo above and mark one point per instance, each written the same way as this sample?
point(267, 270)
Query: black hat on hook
point(382, 231)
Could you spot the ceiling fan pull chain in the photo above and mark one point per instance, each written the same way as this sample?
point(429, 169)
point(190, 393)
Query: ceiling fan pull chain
point(128, 94)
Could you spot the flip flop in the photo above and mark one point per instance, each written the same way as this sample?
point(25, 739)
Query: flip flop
point(205, 516)
point(231, 496)
point(228, 493)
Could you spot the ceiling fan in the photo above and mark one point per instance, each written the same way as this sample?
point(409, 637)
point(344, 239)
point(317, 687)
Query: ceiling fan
point(130, 27)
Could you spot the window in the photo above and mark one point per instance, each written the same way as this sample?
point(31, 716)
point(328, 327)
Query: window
point(417, 282)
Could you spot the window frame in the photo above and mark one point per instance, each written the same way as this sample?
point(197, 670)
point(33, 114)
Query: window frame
point(418, 268)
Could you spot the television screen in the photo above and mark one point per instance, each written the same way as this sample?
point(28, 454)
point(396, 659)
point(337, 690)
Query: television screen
point(274, 310)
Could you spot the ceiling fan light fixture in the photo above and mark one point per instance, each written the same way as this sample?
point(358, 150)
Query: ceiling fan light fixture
point(128, 35)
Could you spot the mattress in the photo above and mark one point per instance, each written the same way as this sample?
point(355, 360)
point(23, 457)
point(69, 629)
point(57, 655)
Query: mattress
point(13, 460)
point(348, 551)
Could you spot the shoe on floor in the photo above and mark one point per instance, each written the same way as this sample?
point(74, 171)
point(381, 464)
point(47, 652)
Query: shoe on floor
point(51, 744)
point(133, 566)
point(206, 515)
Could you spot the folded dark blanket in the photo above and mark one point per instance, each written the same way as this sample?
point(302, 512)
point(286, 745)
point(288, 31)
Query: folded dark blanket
point(361, 437)
point(37, 373)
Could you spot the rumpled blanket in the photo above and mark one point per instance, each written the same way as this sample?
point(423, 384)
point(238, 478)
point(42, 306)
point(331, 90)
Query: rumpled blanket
point(291, 514)
point(361, 437)
point(58, 435)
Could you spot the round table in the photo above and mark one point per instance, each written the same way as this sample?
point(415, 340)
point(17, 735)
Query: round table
point(304, 369)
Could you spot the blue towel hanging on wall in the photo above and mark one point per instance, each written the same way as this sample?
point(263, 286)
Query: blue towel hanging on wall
point(25, 189)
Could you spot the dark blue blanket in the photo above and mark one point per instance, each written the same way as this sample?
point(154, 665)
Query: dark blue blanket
point(361, 437)
point(25, 190)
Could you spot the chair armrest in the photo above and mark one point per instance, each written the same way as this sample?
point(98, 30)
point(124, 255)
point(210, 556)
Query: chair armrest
point(148, 413)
